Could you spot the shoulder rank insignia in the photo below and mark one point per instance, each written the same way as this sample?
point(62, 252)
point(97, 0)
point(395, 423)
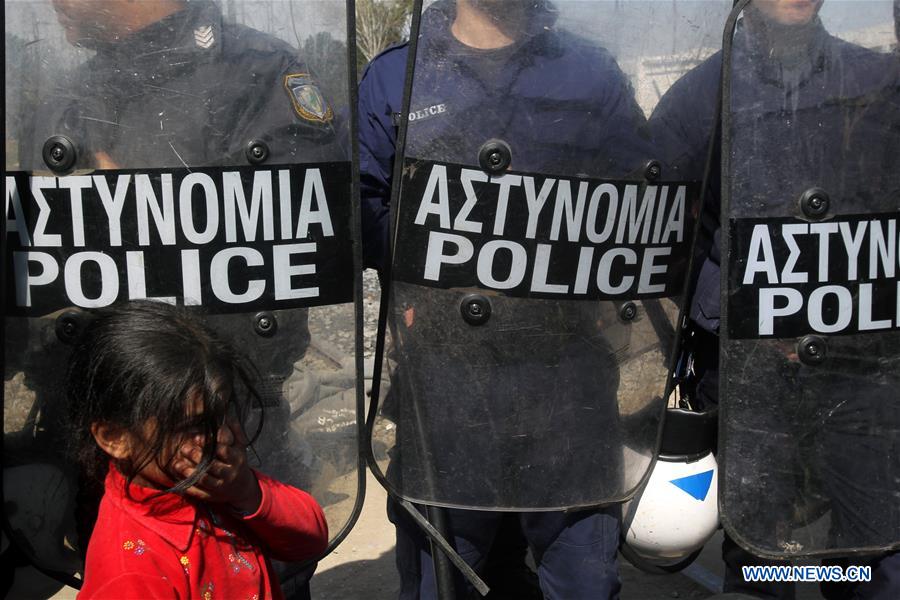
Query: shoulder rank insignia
point(306, 98)
point(204, 37)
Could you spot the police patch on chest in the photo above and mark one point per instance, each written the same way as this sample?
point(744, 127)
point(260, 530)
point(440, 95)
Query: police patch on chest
point(307, 100)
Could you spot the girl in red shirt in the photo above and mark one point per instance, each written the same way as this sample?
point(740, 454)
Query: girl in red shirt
point(157, 405)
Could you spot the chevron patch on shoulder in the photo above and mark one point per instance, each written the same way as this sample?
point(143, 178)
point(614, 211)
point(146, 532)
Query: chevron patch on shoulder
point(204, 37)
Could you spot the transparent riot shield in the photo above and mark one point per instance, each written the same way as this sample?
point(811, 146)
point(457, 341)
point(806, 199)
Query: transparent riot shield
point(197, 153)
point(541, 238)
point(810, 427)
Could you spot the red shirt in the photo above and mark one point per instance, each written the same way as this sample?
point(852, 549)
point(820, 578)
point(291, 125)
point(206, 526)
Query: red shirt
point(175, 547)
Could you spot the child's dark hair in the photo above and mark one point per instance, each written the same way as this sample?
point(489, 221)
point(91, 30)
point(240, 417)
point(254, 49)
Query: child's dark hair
point(140, 362)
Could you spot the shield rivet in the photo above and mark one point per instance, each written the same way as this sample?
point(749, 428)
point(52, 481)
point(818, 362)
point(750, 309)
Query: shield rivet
point(628, 311)
point(495, 156)
point(265, 324)
point(59, 154)
point(257, 152)
point(653, 170)
point(69, 326)
point(815, 203)
point(475, 309)
point(812, 350)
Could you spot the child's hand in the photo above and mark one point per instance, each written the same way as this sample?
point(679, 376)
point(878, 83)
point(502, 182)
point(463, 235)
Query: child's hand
point(229, 479)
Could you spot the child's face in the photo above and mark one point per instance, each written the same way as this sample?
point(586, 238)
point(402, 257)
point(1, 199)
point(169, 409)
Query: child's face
point(162, 472)
point(158, 472)
point(126, 446)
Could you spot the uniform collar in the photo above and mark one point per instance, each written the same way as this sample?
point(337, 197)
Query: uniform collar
point(172, 516)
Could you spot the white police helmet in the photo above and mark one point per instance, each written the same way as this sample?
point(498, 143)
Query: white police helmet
point(666, 524)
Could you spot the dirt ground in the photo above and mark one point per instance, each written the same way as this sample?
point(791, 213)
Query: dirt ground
point(362, 566)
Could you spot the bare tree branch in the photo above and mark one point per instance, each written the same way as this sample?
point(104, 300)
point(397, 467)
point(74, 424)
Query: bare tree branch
point(380, 23)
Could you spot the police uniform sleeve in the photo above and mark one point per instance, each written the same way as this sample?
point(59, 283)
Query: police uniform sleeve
point(625, 141)
point(682, 125)
point(274, 97)
point(301, 119)
point(706, 302)
point(380, 96)
point(685, 118)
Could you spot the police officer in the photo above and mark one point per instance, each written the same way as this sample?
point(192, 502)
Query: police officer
point(787, 65)
point(174, 84)
point(483, 68)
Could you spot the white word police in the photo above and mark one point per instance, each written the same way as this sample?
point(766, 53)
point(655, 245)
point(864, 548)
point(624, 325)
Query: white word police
point(850, 266)
point(224, 225)
point(607, 239)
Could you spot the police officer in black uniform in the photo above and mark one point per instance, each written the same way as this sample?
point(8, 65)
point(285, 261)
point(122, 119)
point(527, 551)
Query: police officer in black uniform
point(495, 68)
point(172, 83)
point(785, 66)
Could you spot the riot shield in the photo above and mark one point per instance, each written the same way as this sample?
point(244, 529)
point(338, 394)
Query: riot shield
point(196, 153)
point(810, 426)
point(540, 243)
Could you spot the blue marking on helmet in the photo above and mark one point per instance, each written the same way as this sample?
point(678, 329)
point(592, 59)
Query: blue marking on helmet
point(696, 485)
